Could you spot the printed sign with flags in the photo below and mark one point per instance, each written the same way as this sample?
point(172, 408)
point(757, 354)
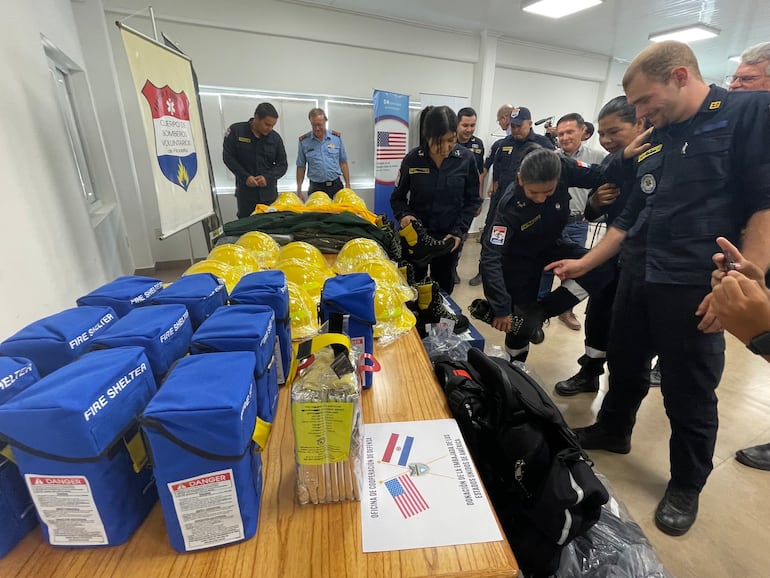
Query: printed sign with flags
point(406, 495)
point(174, 145)
point(391, 134)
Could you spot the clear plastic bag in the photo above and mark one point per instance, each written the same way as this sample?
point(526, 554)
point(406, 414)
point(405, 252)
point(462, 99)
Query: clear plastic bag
point(615, 547)
point(441, 341)
point(326, 415)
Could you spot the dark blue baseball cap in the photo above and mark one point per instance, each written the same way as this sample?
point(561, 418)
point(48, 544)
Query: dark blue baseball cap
point(520, 114)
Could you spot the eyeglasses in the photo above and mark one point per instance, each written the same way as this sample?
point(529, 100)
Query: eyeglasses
point(731, 78)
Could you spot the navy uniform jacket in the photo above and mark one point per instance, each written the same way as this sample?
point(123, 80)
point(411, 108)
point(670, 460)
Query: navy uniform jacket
point(701, 179)
point(506, 162)
point(492, 151)
point(618, 173)
point(522, 229)
point(444, 198)
point(246, 155)
point(476, 146)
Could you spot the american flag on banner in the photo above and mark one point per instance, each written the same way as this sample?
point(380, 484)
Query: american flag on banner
point(406, 495)
point(390, 146)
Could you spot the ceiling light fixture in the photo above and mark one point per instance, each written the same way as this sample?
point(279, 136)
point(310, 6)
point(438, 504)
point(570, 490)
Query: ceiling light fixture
point(557, 8)
point(686, 33)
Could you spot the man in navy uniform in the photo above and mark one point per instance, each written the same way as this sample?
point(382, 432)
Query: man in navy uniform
point(255, 154)
point(323, 153)
point(704, 173)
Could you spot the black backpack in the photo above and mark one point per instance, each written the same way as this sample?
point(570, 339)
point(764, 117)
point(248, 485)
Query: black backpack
point(539, 480)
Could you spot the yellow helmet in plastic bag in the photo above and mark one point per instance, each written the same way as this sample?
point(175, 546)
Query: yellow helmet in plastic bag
point(262, 246)
point(356, 251)
point(318, 199)
point(304, 252)
point(393, 316)
point(235, 255)
point(286, 199)
point(349, 197)
point(311, 279)
point(386, 272)
point(303, 312)
point(230, 274)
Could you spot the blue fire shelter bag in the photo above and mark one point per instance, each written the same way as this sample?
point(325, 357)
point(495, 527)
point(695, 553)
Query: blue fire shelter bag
point(124, 293)
point(246, 328)
point(55, 341)
point(269, 288)
point(17, 513)
point(76, 440)
point(201, 293)
point(164, 331)
point(207, 468)
point(353, 295)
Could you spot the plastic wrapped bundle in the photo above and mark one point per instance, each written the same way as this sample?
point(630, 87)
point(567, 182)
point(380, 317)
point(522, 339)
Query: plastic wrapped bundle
point(326, 415)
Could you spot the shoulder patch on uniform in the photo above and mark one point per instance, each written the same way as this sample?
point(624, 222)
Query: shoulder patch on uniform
point(497, 236)
point(244, 139)
point(336, 133)
point(583, 164)
point(649, 152)
point(457, 153)
point(227, 132)
point(715, 104)
point(419, 170)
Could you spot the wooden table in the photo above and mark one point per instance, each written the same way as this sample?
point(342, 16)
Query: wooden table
point(292, 541)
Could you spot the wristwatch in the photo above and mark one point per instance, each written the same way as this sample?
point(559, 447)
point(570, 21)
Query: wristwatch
point(760, 344)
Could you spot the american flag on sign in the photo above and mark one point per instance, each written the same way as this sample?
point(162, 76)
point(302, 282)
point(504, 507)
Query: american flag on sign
point(406, 495)
point(390, 145)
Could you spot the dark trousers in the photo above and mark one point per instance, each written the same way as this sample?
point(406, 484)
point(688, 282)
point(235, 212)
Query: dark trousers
point(249, 197)
point(597, 325)
point(441, 269)
point(650, 318)
point(328, 187)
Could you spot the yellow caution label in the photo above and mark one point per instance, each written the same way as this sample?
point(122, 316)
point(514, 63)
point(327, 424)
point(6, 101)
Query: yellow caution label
point(322, 432)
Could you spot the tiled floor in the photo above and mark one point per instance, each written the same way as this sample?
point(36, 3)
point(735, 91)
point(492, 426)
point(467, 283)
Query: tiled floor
point(732, 533)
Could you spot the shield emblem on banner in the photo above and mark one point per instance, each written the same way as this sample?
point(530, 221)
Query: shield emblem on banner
point(174, 144)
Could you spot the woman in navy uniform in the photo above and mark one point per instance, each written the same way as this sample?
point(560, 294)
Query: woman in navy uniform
point(438, 184)
point(524, 235)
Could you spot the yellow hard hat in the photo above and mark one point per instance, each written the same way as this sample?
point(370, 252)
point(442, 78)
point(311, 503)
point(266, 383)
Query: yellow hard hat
point(304, 252)
point(385, 272)
point(358, 250)
point(318, 199)
point(311, 279)
point(393, 316)
point(262, 246)
point(286, 199)
point(349, 197)
point(235, 255)
point(230, 274)
point(303, 312)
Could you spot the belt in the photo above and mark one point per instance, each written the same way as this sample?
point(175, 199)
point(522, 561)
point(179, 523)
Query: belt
point(575, 218)
point(326, 183)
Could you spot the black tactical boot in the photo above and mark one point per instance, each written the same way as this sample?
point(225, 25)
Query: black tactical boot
point(419, 247)
point(677, 511)
point(431, 308)
point(581, 382)
point(528, 322)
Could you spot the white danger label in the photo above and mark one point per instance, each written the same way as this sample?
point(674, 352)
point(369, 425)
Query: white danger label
point(66, 505)
point(207, 510)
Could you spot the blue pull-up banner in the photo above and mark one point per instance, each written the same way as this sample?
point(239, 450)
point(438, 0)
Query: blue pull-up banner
point(391, 138)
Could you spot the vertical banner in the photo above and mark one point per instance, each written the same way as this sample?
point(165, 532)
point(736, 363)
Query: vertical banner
point(173, 127)
point(391, 135)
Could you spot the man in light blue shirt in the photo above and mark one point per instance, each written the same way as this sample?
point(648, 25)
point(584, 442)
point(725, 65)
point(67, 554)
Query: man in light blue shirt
point(323, 153)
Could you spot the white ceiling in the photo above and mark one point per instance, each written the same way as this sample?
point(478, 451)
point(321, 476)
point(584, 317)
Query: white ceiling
point(616, 28)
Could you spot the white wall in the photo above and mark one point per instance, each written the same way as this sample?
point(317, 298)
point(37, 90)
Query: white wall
point(51, 254)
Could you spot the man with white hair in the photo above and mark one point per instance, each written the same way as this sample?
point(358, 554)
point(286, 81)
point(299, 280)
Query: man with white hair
point(753, 73)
